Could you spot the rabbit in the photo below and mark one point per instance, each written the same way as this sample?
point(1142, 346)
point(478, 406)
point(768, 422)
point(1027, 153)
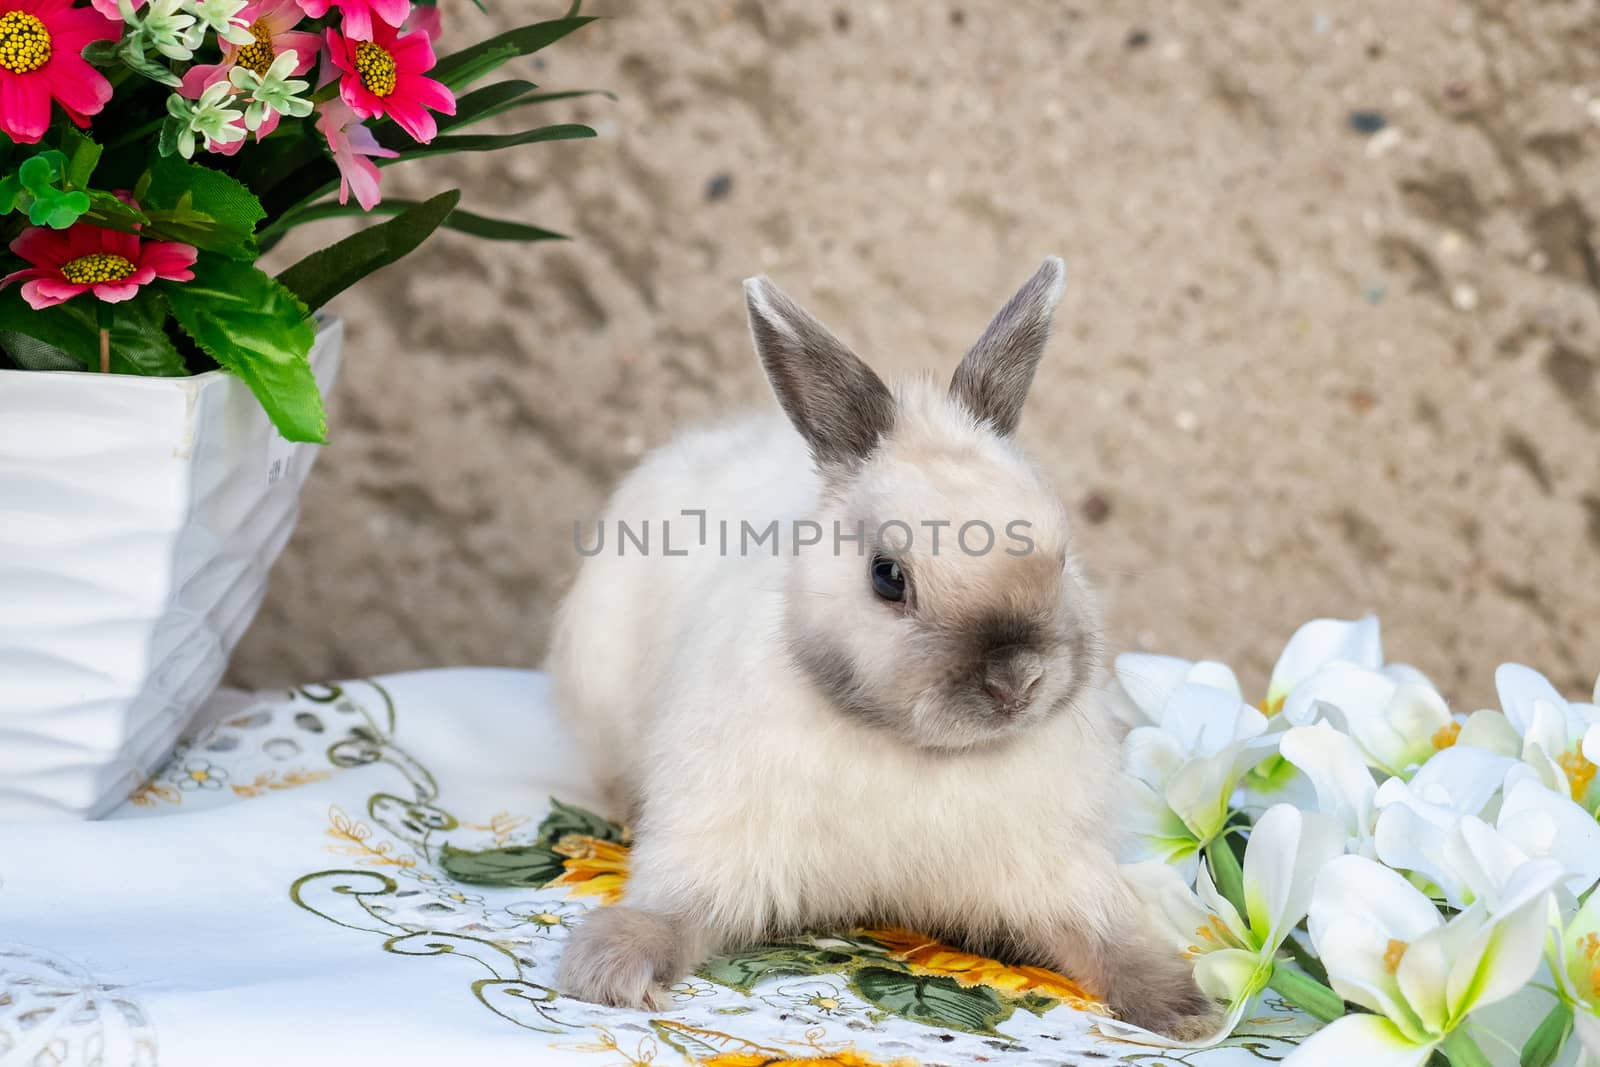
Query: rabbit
point(883, 729)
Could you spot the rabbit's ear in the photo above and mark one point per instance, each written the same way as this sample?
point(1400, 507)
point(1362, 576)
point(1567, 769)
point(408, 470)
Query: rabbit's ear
point(839, 406)
point(992, 381)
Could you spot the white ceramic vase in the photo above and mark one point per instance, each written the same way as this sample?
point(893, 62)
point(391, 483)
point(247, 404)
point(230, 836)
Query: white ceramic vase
point(138, 520)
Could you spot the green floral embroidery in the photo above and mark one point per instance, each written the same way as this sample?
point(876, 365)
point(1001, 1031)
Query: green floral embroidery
point(864, 977)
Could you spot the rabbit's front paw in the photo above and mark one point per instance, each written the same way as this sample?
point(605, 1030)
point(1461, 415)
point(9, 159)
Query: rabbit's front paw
point(1157, 992)
point(622, 957)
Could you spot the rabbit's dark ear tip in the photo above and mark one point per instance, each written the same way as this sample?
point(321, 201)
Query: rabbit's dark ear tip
point(763, 299)
point(1055, 268)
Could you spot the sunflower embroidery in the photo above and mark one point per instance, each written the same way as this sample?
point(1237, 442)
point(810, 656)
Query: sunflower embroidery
point(926, 956)
point(592, 867)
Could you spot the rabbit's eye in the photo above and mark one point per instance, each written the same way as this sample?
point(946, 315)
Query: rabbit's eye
point(888, 580)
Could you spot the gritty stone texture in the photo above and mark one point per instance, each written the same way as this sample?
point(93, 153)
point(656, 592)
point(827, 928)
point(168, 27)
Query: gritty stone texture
point(1305, 366)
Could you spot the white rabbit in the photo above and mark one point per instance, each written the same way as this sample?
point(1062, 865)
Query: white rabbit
point(813, 735)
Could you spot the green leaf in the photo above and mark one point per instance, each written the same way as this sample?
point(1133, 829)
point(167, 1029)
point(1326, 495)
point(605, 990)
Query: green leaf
point(131, 52)
point(468, 65)
point(473, 105)
point(460, 221)
point(260, 331)
point(10, 189)
point(492, 100)
point(106, 210)
point(167, 138)
point(499, 229)
point(40, 173)
point(440, 146)
point(525, 866)
point(139, 341)
point(323, 275)
point(103, 53)
point(83, 155)
point(568, 819)
point(745, 970)
point(1036, 1002)
point(58, 210)
point(202, 207)
point(30, 353)
point(933, 1000)
point(55, 326)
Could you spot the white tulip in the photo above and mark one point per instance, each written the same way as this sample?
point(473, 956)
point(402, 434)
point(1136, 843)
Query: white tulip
point(1387, 949)
point(1234, 955)
point(1576, 967)
point(1149, 681)
point(1185, 770)
point(1398, 724)
point(1554, 732)
point(1435, 825)
point(1345, 788)
point(1317, 644)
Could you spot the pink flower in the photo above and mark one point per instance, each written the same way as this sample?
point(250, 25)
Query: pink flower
point(351, 143)
point(384, 76)
point(358, 13)
point(272, 23)
point(41, 59)
point(424, 18)
point(88, 259)
point(109, 8)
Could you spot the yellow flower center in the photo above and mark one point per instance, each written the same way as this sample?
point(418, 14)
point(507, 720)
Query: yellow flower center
point(1446, 736)
point(1580, 773)
point(92, 269)
point(825, 1003)
point(1213, 935)
point(1270, 706)
point(1590, 943)
point(259, 56)
point(376, 67)
point(198, 776)
point(1393, 954)
point(544, 918)
point(24, 42)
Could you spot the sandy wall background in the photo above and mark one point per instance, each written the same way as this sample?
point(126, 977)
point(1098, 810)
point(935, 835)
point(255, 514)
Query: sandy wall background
point(1331, 342)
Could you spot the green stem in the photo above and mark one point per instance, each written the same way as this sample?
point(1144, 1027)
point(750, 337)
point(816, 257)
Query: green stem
point(1307, 962)
point(1226, 872)
point(1544, 1045)
point(103, 317)
point(1306, 993)
point(1462, 1051)
point(139, 134)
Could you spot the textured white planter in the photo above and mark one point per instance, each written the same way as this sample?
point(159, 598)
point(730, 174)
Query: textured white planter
point(138, 520)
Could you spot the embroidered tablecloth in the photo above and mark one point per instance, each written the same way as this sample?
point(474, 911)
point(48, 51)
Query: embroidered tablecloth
point(385, 871)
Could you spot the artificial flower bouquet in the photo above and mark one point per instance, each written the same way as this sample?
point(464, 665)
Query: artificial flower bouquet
point(1421, 880)
point(155, 149)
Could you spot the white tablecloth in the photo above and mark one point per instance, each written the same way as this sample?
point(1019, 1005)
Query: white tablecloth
point(282, 893)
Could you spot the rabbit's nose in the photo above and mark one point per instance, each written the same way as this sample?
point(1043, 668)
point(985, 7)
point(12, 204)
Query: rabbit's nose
point(1010, 685)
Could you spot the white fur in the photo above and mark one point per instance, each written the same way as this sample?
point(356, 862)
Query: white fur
point(704, 684)
point(762, 803)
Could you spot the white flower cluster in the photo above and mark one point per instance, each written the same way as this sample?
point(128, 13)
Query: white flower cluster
point(1406, 867)
point(176, 29)
point(234, 100)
